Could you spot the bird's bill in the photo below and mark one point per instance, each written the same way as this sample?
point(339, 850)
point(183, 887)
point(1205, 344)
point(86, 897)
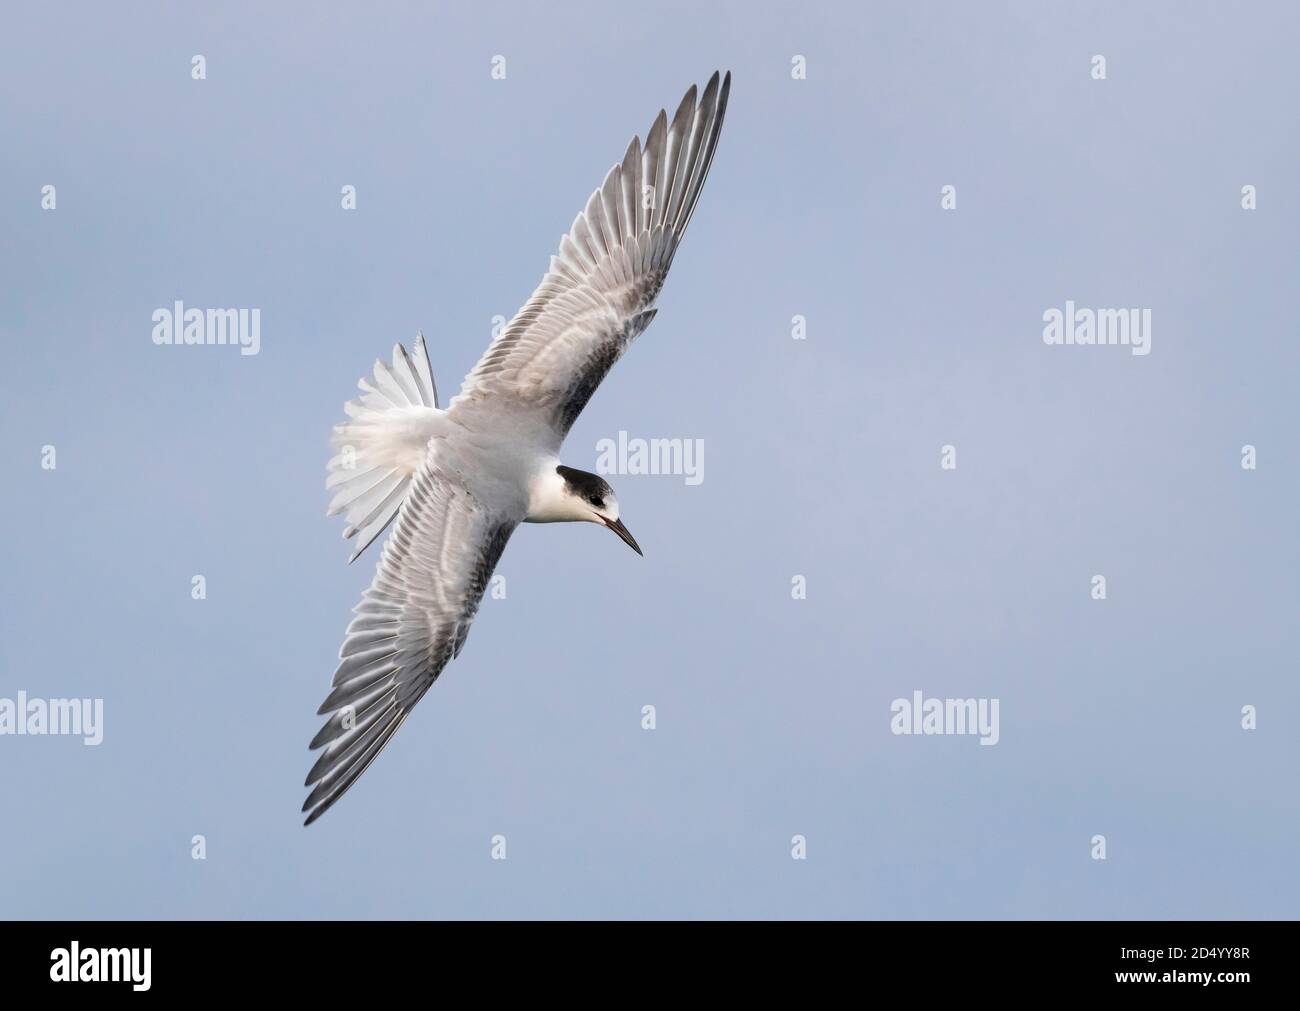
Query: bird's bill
point(623, 532)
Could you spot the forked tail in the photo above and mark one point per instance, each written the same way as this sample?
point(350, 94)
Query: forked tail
point(383, 442)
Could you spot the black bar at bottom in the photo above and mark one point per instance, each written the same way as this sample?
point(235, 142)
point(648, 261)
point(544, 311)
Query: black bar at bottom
point(336, 959)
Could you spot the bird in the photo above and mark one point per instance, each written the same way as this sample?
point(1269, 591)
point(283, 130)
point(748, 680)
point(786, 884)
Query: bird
point(456, 482)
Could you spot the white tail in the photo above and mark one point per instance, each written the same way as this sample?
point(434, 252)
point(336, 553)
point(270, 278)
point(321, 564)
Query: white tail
point(383, 443)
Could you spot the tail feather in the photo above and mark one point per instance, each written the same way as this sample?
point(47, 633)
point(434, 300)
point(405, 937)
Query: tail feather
point(383, 442)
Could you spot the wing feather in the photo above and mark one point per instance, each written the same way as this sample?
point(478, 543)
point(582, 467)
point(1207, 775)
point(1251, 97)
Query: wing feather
point(608, 270)
point(409, 624)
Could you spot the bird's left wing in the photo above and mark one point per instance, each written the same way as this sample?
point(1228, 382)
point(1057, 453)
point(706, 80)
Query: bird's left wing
point(600, 290)
point(410, 623)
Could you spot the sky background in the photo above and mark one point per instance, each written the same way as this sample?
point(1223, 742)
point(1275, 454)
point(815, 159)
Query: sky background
point(924, 328)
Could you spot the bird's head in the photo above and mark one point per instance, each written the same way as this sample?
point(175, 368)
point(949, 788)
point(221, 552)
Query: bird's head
point(589, 497)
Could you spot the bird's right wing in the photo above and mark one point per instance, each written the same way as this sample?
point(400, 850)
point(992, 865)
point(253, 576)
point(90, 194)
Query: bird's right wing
point(410, 623)
point(601, 287)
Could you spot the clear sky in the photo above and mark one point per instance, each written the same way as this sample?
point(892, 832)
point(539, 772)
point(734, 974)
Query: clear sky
point(1119, 717)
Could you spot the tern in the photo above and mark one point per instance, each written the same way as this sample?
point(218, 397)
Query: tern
point(458, 481)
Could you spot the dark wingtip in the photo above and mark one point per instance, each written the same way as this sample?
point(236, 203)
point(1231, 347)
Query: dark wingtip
point(319, 810)
point(322, 737)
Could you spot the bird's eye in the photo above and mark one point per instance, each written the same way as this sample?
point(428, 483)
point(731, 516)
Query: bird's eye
point(598, 502)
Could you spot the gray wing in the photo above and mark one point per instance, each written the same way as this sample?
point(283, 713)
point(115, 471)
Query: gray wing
point(410, 623)
point(600, 290)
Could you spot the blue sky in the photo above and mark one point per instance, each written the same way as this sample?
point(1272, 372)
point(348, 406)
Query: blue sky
point(1118, 717)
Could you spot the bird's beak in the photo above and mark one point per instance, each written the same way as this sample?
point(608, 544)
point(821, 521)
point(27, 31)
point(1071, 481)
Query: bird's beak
point(623, 532)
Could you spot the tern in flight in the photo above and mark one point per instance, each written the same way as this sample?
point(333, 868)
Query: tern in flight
point(458, 481)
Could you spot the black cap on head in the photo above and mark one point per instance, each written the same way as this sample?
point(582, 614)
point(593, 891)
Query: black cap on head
point(588, 487)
